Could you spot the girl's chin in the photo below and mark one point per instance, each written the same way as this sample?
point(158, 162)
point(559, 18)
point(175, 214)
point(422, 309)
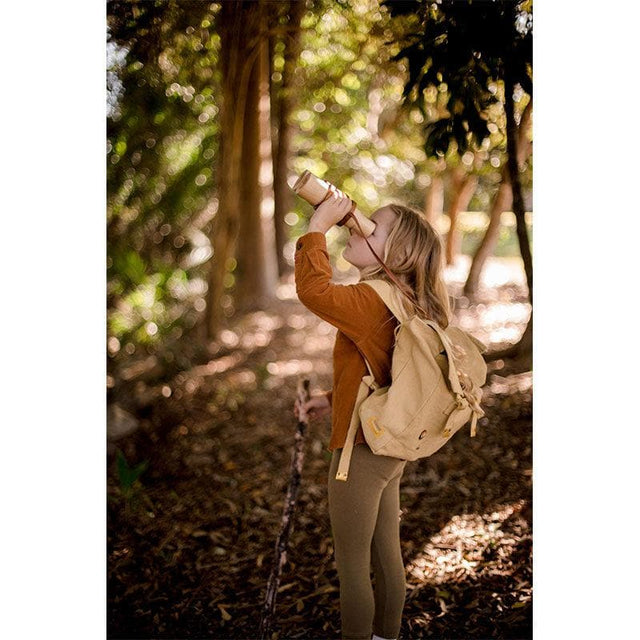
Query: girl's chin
point(345, 256)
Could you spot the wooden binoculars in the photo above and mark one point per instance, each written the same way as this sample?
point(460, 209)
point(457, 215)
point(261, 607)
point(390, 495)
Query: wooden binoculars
point(314, 190)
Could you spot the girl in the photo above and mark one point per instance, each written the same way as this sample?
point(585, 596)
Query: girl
point(365, 510)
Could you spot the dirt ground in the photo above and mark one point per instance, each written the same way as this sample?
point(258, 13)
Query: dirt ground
point(191, 544)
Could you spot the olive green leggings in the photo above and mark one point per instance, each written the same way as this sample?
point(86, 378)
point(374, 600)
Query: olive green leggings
point(365, 523)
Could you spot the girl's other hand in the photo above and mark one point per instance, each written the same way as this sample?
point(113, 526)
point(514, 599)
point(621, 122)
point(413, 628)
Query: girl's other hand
point(317, 406)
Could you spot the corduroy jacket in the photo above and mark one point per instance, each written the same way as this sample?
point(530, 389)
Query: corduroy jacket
point(365, 327)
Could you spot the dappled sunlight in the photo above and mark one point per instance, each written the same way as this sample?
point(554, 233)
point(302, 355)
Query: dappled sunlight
point(516, 383)
point(282, 371)
point(311, 336)
point(253, 331)
point(497, 271)
point(229, 339)
point(501, 271)
point(219, 365)
point(284, 368)
point(310, 344)
point(286, 291)
point(493, 322)
point(459, 549)
point(504, 334)
point(501, 313)
point(501, 310)
point(254, 340)
point(244, 379)
point(297, 321)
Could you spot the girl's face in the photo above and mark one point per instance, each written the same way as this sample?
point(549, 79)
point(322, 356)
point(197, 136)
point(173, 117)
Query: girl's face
point(357, 251)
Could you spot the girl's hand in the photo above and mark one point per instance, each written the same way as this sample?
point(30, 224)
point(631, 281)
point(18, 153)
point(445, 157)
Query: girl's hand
point(317, 406)
point(332, 210)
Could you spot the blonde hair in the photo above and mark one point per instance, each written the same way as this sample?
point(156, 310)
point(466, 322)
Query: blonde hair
point(414, 253)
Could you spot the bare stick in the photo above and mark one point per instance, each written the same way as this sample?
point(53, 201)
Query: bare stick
point(286, 523)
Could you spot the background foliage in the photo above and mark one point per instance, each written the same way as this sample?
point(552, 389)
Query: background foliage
point(163, 131)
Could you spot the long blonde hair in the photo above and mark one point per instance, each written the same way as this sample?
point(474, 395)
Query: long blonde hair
point(414, 253)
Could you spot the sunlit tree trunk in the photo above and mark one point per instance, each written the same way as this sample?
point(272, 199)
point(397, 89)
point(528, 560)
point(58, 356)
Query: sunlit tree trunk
point(522, 350)
point(525, 344)
point(256, 273)
point(434, 199)
point(233, 39)
point(464, 188)
point(249, 274)
point(243, 36)
point(284, 197)
point(501, 202)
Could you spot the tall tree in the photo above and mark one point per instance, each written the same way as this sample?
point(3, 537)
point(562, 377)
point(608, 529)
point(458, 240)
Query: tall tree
point(434, 198)
point(469, 46)
point(464, 186)
point(284, 98)
point(255, 275)
point(502, 200)
point(243, 35)
point(234, 41)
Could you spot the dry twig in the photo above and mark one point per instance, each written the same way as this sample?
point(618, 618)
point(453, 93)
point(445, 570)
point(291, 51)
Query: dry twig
point(287, 514)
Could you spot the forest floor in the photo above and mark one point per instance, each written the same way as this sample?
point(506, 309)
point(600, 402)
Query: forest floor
point(191, 542)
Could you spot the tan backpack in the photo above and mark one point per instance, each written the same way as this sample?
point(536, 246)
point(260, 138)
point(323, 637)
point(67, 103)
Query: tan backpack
point(436, 380)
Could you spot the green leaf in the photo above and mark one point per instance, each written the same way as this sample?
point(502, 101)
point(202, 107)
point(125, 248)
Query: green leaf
point(128, 475)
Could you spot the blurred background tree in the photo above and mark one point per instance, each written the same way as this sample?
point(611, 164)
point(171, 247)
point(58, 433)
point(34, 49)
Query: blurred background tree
point(470, 49)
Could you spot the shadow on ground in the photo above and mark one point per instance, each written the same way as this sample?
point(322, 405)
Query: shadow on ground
point(190, 543)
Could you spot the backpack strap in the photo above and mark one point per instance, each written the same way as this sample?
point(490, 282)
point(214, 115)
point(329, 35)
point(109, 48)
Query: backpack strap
point(389, 296)
point(454, 380)
point(366, 385)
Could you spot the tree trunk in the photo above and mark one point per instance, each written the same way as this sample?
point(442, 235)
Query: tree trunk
point(523, 348)
point(283, 195)
point(502, 202)
point(240, 45)
point(256, 274)
point(249, 274)
point(516, 189)
point(464, 188)
point(434, 199)
point(233, 39)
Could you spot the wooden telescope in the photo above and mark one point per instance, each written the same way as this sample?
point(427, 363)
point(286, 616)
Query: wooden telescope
point(314, 190)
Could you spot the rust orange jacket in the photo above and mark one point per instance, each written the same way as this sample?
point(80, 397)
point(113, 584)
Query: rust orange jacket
point(365, 328)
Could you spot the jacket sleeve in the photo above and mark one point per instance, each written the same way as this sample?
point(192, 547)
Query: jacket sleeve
point(355, 309)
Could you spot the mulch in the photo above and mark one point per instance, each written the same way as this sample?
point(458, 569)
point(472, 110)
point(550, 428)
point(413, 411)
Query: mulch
point(190, 548)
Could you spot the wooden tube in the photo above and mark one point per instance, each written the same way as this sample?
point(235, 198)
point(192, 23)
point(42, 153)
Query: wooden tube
point(314, 189)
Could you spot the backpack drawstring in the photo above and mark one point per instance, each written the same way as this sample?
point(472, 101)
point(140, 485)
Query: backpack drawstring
point(463, 403)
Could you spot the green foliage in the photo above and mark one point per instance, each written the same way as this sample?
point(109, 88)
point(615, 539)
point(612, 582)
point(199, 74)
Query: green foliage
point(162, 143)
point(131, 490)
point(466, 48)
point(130, 266)
point(350, 125)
